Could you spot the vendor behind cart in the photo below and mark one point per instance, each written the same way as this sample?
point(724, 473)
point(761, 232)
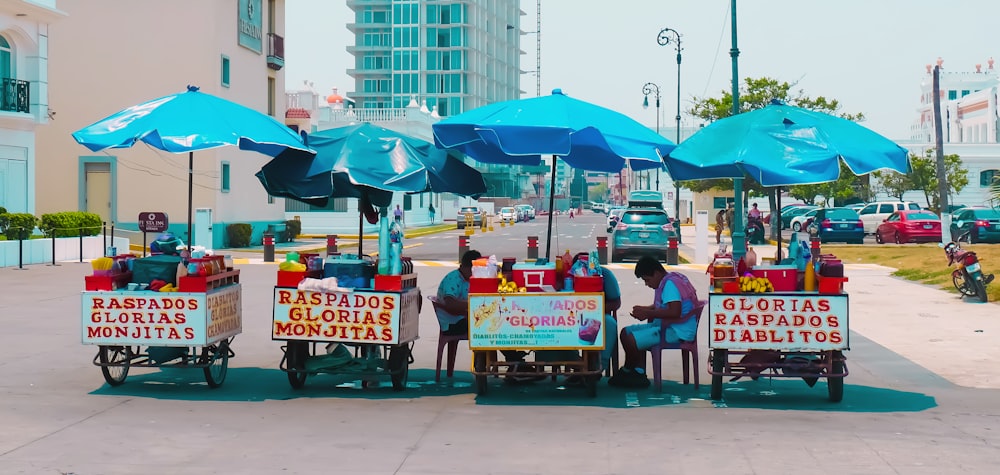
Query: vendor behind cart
point(671, 302)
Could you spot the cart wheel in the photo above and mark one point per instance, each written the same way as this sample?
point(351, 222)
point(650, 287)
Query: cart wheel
point(296, 353)
point(479, 365)
point(217, 359)
point(718, 366)
point(835, 386)
point(115, 361)
point(399, 366)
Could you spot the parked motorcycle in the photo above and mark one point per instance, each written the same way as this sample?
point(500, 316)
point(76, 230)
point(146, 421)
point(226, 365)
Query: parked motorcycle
point(755, 230)
point(968, 278)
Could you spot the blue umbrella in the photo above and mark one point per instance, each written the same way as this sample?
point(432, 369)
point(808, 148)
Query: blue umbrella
point(370, 163)
point(187, 122)
point(584, 135)
point(367, 159)
point(781, 145)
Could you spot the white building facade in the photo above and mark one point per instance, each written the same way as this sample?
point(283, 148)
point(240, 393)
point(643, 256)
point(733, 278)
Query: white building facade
point(24, 96)
point(111, 54)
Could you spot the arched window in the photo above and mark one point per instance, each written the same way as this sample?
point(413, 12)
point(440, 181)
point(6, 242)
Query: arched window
point(986, 177)
point(6, 56)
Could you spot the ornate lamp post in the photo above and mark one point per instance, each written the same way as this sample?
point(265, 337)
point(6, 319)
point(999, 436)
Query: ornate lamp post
point(665, 37)
point(647, 89)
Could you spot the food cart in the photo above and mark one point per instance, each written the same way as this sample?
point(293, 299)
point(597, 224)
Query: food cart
point(780, 334)
point(537, 320)
point(381, 323)
point(190, 327)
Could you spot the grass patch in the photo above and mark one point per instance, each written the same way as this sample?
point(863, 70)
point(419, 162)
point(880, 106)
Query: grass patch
point(923, 263)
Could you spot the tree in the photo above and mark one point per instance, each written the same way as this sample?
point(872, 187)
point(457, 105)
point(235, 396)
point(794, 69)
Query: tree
point(924, 176)
point(892, 183)
point(597, 192)
point(756, 93)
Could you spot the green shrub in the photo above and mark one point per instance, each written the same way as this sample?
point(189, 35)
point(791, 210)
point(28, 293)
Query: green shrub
point(71, 224)
point(239, 234)
point(293, 228)
point(18, 225)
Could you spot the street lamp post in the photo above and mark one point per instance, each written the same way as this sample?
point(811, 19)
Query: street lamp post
point(665, 37)
point(647, 89)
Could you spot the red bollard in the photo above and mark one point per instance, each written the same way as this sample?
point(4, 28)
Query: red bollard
point(463, 246)
point(533, 247)
point(268, 242)
point(672, 251)
point(331, 245)
point(602, 249)
point(814, 248)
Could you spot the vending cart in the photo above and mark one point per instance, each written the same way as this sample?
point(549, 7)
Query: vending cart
point(537, 321)
point(782, 334)
point(320, 328)
point(190, 326)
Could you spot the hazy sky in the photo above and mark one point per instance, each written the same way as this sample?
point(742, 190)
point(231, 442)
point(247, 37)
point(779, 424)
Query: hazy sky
point(869, 54)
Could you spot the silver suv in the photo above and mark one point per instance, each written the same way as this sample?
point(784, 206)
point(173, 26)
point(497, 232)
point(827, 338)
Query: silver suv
point(874, 213)
point(462, 218)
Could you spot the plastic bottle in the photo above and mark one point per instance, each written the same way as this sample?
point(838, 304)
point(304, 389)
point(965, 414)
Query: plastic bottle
point(809, 281)
point(395, 249)
point(383, 241)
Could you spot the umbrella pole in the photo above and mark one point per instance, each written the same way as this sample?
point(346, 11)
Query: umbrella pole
point(552, 200)
point(190, 239)
point(777, 254)
point(361, 228)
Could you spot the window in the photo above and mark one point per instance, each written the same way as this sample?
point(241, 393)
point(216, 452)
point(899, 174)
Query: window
point(913, 206)
point(225, 177)
point(885, 208)
point(987, 177)
point(870, 209)
point(407, 202)
point(952, 95)
point(6, 64)
point(965, 93)
point(225, 71)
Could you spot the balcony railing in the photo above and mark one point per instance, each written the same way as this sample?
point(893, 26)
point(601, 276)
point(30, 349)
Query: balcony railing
point(15, 96)
point(275, 51)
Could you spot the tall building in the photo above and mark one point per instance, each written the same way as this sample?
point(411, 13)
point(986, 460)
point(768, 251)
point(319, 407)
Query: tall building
point(24, 96)
point(452, 56)
point(107, 55)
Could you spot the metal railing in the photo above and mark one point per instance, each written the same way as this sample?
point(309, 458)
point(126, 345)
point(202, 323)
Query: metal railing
point(15, 95)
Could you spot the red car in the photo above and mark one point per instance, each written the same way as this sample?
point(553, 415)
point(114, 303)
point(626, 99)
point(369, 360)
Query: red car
point(909, 226)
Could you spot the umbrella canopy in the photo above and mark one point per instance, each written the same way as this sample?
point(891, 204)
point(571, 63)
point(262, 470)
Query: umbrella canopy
point(584, 135)
point(187, 122)
point(369, 163)
point(366, 159)
point(782, 145)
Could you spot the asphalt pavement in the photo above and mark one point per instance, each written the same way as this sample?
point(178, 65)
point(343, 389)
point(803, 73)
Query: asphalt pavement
point(920, 398)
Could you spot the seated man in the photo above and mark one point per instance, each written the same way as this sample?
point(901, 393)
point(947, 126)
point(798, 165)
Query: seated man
point(670, 303)
point(453, 297)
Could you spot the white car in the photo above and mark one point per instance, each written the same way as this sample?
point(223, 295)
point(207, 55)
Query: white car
point(508, 214)
point(798, 222)
point(873, 214)
point(613, 216)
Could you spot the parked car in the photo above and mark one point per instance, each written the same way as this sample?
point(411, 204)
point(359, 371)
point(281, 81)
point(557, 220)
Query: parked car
point(508, 214)
point(529, 211)
point(982, 224)
point(957, 211)
point(787, 215)
point(641, 231)
point(874, 213)
point(857, 207)
point(838, 225)
point(798, 223)
point(785, 208)
point(463, 212)
point(909, 226)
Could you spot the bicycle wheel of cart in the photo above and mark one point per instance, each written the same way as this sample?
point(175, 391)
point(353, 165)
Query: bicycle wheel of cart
point(479, 364)
point(296, 353)
point(718, 366)
point(399, 366)
point(593, 364)
point(835, 385)
point(115, 361)
point(216, 357)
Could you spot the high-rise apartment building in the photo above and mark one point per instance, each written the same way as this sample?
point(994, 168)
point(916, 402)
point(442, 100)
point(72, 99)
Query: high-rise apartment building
point(456, 55)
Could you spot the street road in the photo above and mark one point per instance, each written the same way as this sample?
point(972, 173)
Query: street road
point(897, 416)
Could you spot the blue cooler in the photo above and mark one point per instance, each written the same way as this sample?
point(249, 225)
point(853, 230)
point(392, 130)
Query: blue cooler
point(350, 273)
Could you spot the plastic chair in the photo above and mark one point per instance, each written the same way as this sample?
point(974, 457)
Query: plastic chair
point(451, 341)
point(689, 351)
